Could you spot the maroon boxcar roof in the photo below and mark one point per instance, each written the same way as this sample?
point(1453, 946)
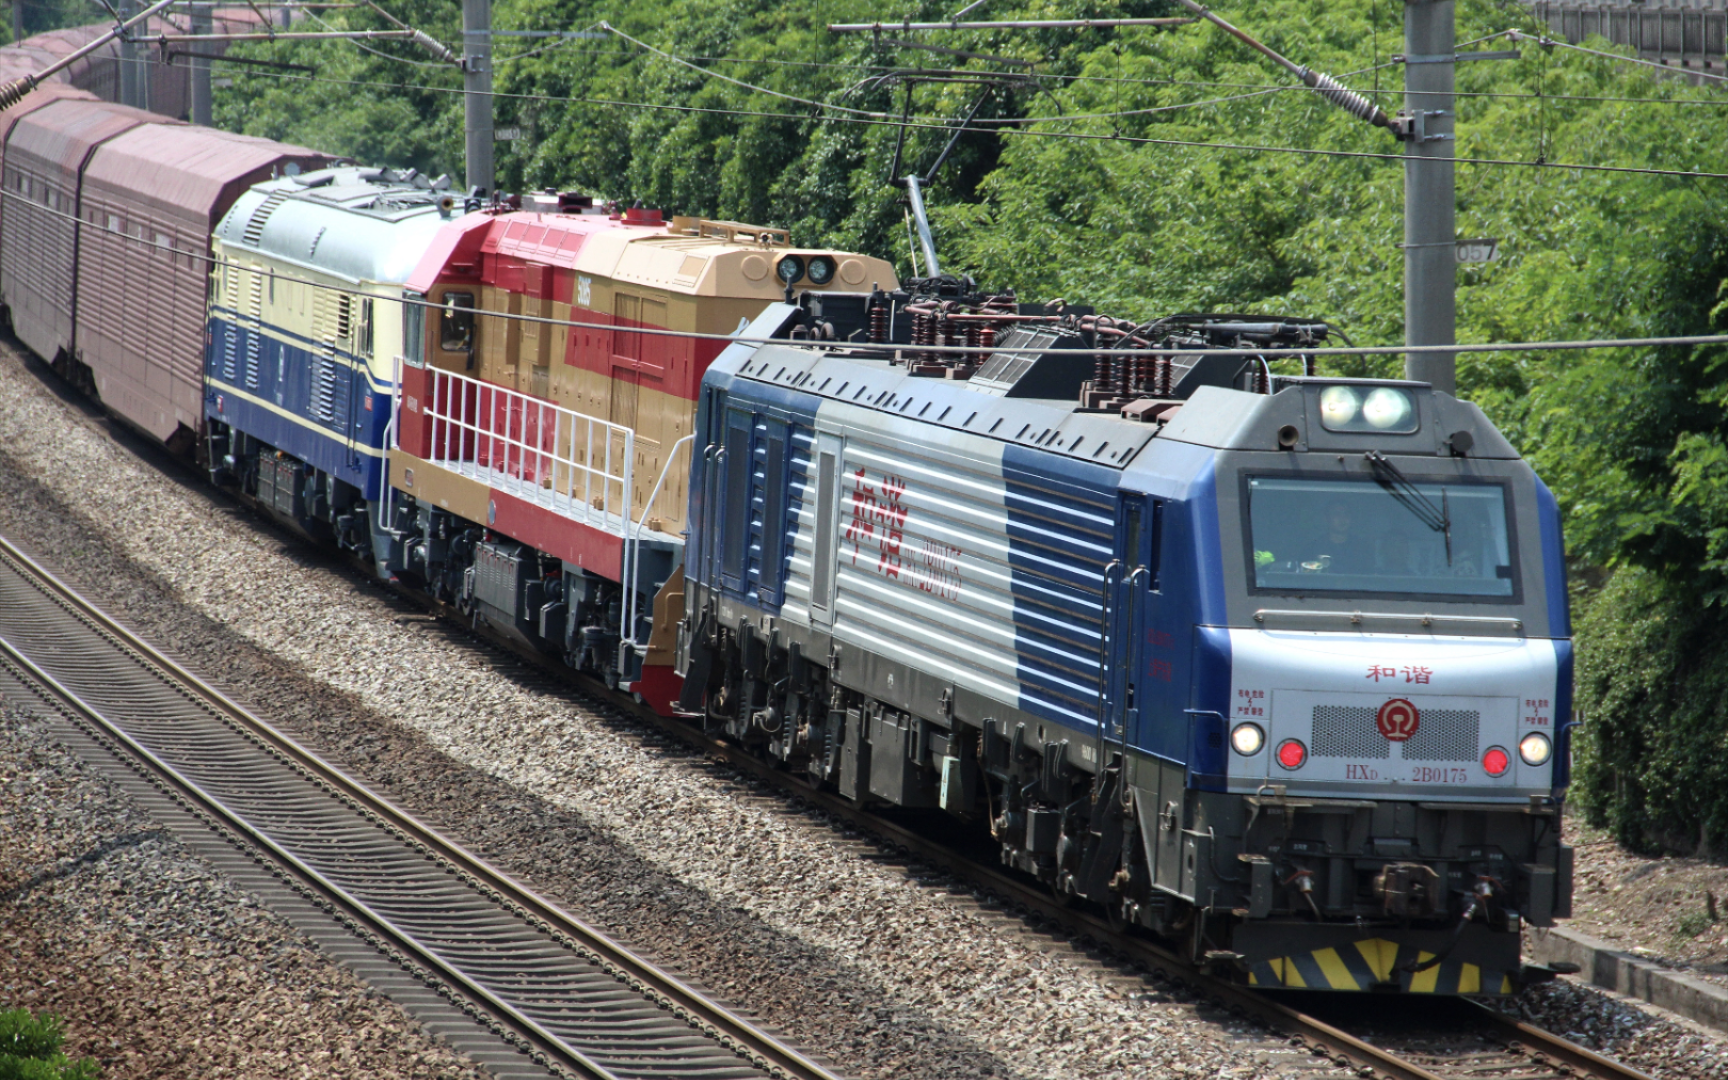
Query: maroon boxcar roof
point(65, 41)
point(183, 168)
point(36, 99)
point(58, 43)
point(38, 57)
point(64, 131)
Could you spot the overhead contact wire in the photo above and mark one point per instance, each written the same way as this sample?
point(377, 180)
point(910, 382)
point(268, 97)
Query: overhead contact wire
point(957, 350)
point(948, 128)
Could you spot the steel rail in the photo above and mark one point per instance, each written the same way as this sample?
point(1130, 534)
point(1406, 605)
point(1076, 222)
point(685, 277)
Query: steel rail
point(547, 1042)
point(1542, 1043)
point(1318, 1035)
point(662, 988)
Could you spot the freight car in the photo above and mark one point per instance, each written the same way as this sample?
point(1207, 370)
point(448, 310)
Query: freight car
point(1275, 666)
point(105, 246)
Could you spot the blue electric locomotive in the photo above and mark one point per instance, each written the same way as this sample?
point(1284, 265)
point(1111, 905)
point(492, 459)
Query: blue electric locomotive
point(1276, 667)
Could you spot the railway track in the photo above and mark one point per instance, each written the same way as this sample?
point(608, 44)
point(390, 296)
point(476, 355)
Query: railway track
point(521, 986)
point(1458, 1040)
point(1455, 1038)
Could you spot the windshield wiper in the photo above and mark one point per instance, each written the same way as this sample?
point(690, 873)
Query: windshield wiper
point(1397, 485)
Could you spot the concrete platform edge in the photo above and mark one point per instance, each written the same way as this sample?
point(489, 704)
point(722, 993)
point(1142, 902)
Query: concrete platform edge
point(1607, 967)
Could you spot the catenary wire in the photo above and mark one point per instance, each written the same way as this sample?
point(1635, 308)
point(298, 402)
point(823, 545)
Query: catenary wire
point(1296, 88)
point(1514, 34)
point(1543, 39)
point(954, 350)
point(363, 47)
point(1383, 350)
point(946, 126)
point(1257, 88)
point(609, 28)
point(1254, 89)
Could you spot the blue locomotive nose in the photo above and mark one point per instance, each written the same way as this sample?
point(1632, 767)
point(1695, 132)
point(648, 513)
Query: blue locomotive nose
point(1393, 715)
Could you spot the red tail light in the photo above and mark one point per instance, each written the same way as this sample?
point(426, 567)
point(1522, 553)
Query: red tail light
point(1496, 761)
point(1292, 754)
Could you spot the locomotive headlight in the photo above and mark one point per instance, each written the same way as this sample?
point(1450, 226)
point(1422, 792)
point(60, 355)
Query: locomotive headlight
point(822, 269)
point(1386, 409)
point(1495, 761)
point(790, 268)
point(1534, 748)
point(1338, 406)
point(1292, 754)
point(1247, 739)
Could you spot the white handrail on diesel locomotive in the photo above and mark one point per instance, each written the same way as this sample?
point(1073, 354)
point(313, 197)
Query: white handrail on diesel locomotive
point(544, 477)
point(633, 552)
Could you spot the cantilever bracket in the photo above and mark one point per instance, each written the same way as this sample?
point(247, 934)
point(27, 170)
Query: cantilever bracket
point(1413, 126)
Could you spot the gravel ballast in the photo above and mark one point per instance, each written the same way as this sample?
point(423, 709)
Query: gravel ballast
point(1615, 1028)
point(881, 967)
point(160, 965)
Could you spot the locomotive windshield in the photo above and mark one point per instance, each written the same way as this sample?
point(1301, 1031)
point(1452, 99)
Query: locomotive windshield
point(1395, 537)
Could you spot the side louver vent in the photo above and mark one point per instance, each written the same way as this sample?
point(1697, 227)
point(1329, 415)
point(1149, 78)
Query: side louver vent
point(228, 335)
point(255, 224)
point(324, 390)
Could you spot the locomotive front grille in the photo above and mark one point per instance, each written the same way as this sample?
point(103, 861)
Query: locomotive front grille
point(1346, 731)
point(1445, 735)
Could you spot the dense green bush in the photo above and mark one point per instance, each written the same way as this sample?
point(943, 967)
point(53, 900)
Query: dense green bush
point(1654, 686)
point(30, 1049)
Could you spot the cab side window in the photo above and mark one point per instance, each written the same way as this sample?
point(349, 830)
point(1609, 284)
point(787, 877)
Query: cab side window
point(456, 322)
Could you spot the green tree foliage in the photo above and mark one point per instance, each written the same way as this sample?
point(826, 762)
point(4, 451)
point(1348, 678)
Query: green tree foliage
point(1085, 183)
point(382, 103)
point(41, 16)
point(30, 1049)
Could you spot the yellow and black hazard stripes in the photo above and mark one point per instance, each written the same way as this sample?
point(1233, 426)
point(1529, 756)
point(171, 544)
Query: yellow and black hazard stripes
point(1376, 963)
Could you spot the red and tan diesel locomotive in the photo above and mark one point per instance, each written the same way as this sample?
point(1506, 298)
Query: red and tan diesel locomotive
point(569, 439)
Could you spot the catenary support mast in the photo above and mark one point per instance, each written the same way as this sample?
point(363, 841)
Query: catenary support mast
point(1430, 198)
point(477, 87)
point(201, 23)
point(132, 78)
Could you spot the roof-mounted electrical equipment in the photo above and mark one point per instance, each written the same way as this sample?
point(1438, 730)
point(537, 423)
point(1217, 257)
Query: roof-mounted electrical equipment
point(1056, 372)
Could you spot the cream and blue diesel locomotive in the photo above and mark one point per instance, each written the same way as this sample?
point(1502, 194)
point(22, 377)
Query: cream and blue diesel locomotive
point(1279, 668)
point(306, 328)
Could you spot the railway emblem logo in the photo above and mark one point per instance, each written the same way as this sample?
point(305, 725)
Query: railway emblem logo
point(1397, 720)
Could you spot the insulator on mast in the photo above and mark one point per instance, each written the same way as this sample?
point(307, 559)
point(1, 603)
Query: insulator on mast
point(1345, 98)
